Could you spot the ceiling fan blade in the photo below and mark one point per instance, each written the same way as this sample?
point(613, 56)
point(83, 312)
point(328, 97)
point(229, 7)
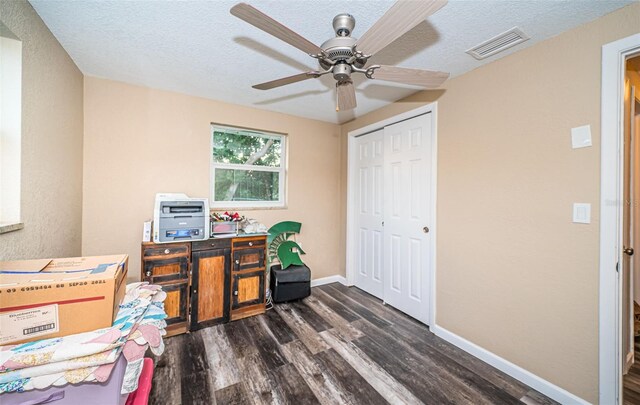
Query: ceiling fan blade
point(267, 24)
point(286, 80)
point(424, 78)
point(346, 95)
point(400, 18)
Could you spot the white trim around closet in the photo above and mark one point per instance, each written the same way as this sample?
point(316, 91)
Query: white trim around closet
point(351, 197)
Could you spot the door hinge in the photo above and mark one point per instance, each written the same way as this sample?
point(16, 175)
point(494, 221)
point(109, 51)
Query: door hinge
point(618, 267)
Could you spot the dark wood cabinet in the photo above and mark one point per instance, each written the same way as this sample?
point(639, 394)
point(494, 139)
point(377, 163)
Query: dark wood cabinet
point(209, 296)
point(248, 277)
point(168, 266)
point(207, 282)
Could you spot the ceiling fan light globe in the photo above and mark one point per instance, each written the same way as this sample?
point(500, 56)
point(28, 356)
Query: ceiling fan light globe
point(341, 72)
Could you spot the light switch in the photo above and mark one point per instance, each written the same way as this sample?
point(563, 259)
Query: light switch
point(582, 213)
point(581, 136)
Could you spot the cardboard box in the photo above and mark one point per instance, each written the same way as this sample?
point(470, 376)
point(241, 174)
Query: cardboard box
point(41, 299)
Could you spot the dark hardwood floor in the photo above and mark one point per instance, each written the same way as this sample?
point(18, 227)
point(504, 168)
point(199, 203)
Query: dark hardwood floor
point(631, 381)
point(339, 346)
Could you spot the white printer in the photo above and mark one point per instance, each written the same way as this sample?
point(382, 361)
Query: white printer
point(177, 218)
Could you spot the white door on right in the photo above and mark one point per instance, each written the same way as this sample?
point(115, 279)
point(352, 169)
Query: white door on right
point(407, 210)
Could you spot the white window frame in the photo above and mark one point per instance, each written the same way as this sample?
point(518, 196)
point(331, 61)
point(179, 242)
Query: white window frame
point(10, 130)
point(282, 171)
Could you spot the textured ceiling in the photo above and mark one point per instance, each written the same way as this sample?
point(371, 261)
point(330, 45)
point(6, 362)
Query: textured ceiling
point(198, 48)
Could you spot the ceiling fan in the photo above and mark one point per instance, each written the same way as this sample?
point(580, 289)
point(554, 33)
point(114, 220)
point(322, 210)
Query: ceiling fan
point(344, 55)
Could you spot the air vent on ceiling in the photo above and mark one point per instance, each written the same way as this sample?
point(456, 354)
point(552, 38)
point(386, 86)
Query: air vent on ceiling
point(499, 43)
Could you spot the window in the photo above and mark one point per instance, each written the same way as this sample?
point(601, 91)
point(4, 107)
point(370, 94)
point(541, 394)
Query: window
point(247, 168)
point(10, 132)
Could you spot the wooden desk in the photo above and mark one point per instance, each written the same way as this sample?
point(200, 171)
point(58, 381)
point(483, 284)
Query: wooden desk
point(208, 282)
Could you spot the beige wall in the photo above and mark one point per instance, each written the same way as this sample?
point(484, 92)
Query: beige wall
point(52, 128)
point(514, 274)
point(140, 141)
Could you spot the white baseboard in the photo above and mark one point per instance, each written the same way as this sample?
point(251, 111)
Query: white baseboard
point(328, 280)
point(539, 384)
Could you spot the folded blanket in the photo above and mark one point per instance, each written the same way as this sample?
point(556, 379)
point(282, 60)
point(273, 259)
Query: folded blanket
point(90, 356)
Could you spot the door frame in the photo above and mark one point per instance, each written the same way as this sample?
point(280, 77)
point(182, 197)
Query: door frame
point(430, 108)
point(614, 55)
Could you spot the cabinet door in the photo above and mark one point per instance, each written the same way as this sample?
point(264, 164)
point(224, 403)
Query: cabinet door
point(247, 289)
point(245, 259)
point(160, 270)
point(176, 303)
point(209, 287)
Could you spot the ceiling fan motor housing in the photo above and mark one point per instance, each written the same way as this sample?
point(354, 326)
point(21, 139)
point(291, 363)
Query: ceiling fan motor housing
point(343, 24)
point(340, 49)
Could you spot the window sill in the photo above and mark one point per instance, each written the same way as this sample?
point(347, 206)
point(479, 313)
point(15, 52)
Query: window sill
point(6, 228)
point(239, 209)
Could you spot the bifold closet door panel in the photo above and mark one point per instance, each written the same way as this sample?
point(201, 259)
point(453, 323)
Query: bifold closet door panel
point(407, 210)
point(369, 186)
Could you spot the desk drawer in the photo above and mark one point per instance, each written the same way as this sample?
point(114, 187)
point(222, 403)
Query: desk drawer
point(246, 243)
point(160, 270)
point(211, 244)
point(245, 259)
point(169, 249)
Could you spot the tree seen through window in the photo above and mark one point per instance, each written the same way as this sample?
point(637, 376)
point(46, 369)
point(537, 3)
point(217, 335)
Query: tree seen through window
point(247, 166)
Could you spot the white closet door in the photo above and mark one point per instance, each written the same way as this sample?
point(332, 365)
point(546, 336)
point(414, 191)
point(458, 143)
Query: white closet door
point(369, 199)
point(407, 202)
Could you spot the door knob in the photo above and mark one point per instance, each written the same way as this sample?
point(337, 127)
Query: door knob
point(235, 293)
point(250, 243)
point(628, 251)
point(425, 229)
point(237, 261)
